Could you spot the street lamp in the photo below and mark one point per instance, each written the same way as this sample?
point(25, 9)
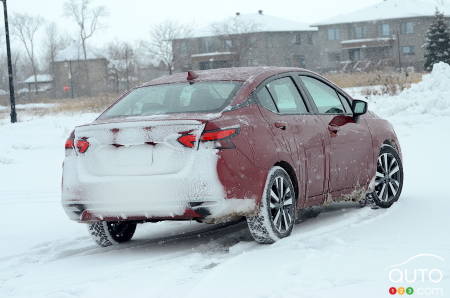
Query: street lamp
point(10, 74)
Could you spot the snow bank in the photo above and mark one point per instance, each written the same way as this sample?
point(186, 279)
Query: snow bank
point(30, 106)
point(430, 97)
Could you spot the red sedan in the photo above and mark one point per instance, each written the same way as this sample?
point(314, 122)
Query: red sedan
point(262, 143)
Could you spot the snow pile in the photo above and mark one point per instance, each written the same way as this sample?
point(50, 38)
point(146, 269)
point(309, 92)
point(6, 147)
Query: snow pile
point(30, 106)
point(431, 96)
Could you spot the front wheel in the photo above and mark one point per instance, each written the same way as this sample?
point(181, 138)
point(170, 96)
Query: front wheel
point(107, 233)
point(276, 215)
point(389, 177)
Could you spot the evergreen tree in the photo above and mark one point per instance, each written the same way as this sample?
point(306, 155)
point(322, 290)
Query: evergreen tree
point(437, 44)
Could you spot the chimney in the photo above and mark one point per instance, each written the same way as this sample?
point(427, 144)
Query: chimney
point(260, 12)
point(238, 13)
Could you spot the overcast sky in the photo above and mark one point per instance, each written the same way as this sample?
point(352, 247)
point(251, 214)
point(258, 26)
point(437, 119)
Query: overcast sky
point(131, 19)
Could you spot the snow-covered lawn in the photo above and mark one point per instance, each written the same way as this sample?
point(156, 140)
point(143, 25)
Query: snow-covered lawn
point(344, 252)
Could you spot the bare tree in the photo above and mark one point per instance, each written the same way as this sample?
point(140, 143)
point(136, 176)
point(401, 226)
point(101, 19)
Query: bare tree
point(161, 44)
point(53, 43)
point(87, 18)
point(25, 28)
point(236, 36)
point(122, 58)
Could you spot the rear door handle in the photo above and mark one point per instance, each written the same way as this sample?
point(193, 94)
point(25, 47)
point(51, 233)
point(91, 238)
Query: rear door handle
point(281, 125)
point(333, 129)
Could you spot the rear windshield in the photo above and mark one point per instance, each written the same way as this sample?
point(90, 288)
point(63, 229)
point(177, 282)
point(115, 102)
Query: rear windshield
point(174, 98)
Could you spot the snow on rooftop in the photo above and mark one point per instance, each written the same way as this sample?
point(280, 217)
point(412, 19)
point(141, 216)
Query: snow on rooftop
point(40, 78)
point(391, 9)
point(260, 23)
point(74, 52)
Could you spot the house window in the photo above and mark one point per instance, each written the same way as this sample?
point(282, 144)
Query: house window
point(355, 54)
point(298, 38)
point(359, 32)
point(309, 38)
point(227, 44)
point(334, 57)
point(407, 28)
point(408, 50)
point(385, 29)
point(299, 60)
point(333, 34)
point(204, 65)
point(184, 48)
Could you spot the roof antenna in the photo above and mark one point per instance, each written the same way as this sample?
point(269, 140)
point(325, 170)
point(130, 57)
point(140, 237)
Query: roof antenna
point(191, 75)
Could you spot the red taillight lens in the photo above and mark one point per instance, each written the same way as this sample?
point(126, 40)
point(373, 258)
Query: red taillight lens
point(69, 142)
point(218, 135)
point(188, 140)
point(82, 145)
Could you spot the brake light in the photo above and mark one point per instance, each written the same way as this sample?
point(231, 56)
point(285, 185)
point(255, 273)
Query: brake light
point(82, 145)
point(188, 140)
point(69, 141)
point(218, 135)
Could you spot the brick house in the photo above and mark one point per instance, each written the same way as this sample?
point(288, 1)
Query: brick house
point(390, 34)
point(248, 40)
point(74, 76)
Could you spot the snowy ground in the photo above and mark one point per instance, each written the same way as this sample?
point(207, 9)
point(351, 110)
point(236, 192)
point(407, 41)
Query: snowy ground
point(344, 252)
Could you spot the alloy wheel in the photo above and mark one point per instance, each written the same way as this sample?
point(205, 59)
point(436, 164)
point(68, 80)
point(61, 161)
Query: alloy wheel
point(388, 177)
point(281, 204)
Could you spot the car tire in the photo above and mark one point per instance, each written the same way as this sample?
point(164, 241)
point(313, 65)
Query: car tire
point(107, 233)
point(275, 218)
point(389, 177)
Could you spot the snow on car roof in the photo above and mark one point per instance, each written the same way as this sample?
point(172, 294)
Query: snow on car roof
point(255, 22)
point(223, 74)
point(391, 9)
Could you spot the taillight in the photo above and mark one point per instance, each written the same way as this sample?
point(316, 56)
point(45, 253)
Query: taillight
point(188, 140)
point(82, 145)
point(70, 141)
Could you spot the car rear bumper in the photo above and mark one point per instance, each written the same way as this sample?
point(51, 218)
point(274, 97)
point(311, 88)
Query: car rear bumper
point(191, 193)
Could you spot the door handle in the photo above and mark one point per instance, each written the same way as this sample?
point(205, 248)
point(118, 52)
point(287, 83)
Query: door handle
point(281, 125)
point(333, 129)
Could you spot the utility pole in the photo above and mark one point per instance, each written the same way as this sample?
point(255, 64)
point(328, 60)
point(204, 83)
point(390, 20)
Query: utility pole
point(12, 98)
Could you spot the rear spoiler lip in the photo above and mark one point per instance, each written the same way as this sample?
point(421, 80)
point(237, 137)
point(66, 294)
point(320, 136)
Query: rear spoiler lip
point(201, 117)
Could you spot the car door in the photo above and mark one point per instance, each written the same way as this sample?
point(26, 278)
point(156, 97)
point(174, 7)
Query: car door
point(349, 143)
point(298, 133)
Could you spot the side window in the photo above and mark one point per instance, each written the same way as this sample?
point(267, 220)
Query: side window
point(286, 96)
point(265, 99)
point(344, 101)
point(325, 97)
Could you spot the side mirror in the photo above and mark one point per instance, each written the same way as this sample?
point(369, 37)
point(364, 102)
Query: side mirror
point(359, 107)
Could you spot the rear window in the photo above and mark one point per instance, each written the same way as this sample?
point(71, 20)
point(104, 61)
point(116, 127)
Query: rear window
point(174, 98)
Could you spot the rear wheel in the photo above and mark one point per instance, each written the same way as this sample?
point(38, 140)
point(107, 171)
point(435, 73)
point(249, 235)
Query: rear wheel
point(107, 233)
point(389, 177)
point(276, 216)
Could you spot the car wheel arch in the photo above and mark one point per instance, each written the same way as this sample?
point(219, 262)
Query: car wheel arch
point(291, 172)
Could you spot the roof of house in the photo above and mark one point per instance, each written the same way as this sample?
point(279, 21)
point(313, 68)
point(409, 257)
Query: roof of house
point(391, 9)
point(74, 52)
point(40, 78)
point(251, 23)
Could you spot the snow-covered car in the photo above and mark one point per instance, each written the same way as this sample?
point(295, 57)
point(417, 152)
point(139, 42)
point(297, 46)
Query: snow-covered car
point(262, 143)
